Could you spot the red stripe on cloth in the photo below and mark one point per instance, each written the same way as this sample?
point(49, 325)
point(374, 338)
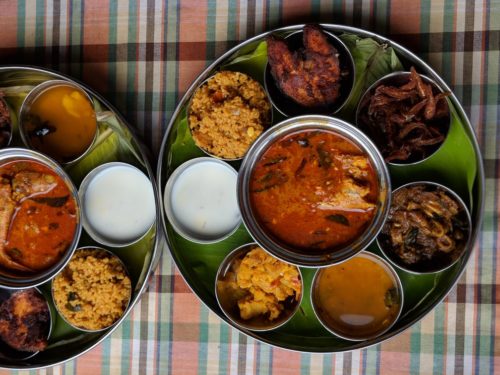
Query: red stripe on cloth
point(9, 24)
point(90, 362)
point(293, 11)
point(285, 362)
point(405, 17)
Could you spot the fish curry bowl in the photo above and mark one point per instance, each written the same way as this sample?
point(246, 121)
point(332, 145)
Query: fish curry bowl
point(278, 156)
point(42, 217)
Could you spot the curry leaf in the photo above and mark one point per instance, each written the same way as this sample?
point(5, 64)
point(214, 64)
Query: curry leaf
point(338, 218)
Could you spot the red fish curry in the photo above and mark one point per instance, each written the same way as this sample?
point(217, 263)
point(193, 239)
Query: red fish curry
point(314, 190)
point(38, 216)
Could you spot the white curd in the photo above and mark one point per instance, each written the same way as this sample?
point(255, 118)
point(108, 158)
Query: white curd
point(203, 200)
point(119, 203)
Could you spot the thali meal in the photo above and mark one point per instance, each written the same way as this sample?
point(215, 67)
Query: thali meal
point(407, 121)
point(314, 190)
point(357, 299)
point(93, 290)
point(200, 200)
point(261, 285)
point(118, 204)
point(427, 227)
point(38, 216)
point(58, 119)
point(5, 123)
point(311, 76)
point(227, 113)
point(25, 321)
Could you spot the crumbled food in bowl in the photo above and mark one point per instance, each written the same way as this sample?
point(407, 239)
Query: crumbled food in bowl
point(5, 123)
point(93, 291)
point(228, 113)
point(265, 284)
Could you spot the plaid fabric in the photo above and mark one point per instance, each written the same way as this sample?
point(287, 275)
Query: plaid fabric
point(143, 55)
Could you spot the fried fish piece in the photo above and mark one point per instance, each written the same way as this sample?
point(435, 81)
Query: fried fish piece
point(25, 321)
point(310, 76)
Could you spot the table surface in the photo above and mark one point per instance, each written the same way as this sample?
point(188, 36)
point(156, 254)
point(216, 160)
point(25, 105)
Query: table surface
point(143, 55)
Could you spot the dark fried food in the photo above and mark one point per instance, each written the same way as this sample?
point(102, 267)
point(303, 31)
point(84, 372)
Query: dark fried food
point(5, 122)
point(311, 75)
point(425, 224)
point(408, 122)
point(25, 321)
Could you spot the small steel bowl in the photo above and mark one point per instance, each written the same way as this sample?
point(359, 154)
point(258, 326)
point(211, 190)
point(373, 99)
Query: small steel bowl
point(94, 232)
point(442, 261)
point(5, 124)
point(33, 95)
point(179, 227)
point(285, 251)
point(348, 332)
point(288, 107)
point(16, 280)
point(398, 79)
point(15, 356)
point(99, 252)
point(228, 301)
point(188, 112)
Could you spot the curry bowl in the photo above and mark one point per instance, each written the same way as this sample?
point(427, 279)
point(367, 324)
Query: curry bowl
point(427, 229)
point(6, 118)
point(407, 115)
point(58, 118)
point(313, 191)
point(41, 222)
point(226, 113)
point(26, 321)
point(329, 100)
point(257, 291)
point(359, 299)
point(93, 291)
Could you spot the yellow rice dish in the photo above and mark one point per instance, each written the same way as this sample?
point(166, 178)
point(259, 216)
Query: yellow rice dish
point(227, 114)
point(93, 290)
point(265, 283)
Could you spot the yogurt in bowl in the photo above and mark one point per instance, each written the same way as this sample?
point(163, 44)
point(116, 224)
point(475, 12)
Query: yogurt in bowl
point(200, 200)
point(118, 204)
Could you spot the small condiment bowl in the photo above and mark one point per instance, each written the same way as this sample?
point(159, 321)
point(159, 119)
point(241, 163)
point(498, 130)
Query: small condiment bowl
point(24, 115)
point(119, 200)
point(190, 104)
point(398, 79)
point(348, 332)
point(90, 306)
point(198, 234)
point(15, 280)
point(442, 261)
point(288, 107)
point(228, 299)
point(15, 356)
point(283, 250)
point(5, 123)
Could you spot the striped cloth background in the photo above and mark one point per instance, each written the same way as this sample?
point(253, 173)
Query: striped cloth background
point(143, 55)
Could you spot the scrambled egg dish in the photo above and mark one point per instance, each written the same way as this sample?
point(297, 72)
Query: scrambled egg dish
point(268, 282)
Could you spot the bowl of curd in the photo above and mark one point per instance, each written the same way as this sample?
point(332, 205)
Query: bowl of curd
point(200, 200)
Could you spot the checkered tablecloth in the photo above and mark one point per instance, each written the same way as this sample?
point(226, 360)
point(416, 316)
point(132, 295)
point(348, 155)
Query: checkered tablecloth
point(142, 56)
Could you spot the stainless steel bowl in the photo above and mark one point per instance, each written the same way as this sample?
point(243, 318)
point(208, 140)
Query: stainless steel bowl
point(398, 79)
point(283, 250)
point(205, 82)
point(288, 107)
point(437, 263)
point(105, 252)
point(185, 232)
point(34, 94)
point(228, 300)
point(328, 322)
point(17, 357)
point(14, 280)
